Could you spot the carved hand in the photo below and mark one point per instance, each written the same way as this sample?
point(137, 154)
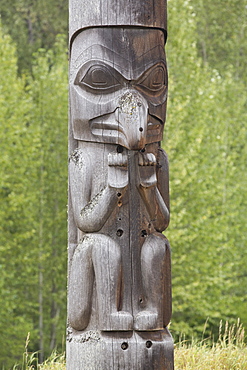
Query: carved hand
point(147, 169)
point(117, 170)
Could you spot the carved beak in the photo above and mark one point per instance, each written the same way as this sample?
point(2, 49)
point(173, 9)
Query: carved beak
point(132, 115)
point(128, 124)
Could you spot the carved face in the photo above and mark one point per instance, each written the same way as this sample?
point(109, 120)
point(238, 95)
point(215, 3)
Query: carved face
point(118, 86)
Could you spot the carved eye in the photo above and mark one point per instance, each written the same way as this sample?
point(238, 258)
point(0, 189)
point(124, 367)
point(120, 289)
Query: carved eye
point(154, 80)
point(99, 78)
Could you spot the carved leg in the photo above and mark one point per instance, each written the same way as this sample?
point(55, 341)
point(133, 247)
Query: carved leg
point(81, 286)
point(106, 258)
point(156, 275)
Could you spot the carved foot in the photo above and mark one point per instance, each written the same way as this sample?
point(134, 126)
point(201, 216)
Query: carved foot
point(146, 320)
point(118, 321)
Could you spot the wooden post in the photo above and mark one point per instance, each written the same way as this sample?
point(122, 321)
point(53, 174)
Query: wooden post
point(119, 285)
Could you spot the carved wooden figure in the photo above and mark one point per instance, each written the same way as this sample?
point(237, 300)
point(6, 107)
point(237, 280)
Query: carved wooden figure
point(119, 287)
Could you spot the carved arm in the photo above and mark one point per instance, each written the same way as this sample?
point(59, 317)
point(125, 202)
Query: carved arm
point(90, 214)
point(153, 187)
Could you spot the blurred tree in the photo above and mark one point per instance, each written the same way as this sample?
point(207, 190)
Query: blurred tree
point(33, 25)
point(16, 227)
point(48, 92)
point(222, 34)
point(205, 138)
point(33, 191)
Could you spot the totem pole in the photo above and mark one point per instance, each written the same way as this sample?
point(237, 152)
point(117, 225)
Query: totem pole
point(119, 284)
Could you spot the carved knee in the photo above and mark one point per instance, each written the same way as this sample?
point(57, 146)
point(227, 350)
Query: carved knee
point(155, 249)
point(80, 286)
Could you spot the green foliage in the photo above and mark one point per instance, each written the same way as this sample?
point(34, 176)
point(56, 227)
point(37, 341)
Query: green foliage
point(15, 235)
point(33, 200)
point(33, 25)
point(222, 34)
point(48, 92)
point(205, 138)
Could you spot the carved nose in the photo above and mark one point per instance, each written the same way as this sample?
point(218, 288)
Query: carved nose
point(132, 116)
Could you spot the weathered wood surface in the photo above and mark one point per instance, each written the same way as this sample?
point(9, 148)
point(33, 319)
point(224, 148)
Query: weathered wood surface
point(119, 287)
point(143, 13)
point(121, 350)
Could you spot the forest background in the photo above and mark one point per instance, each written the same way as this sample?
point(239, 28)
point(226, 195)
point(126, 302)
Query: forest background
point(205, 138)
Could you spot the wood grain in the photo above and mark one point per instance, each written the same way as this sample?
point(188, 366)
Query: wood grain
point(119, 283)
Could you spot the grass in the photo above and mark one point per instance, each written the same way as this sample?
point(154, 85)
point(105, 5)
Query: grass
point(30, 361)
point(228, 353)
point(54, 362)
point(203, 358)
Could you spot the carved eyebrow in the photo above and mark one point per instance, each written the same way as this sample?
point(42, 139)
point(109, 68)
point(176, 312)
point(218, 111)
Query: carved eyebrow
point(92, 52)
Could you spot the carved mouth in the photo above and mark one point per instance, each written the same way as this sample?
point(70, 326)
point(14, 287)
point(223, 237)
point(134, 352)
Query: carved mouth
point(100, 126)
point(110, 128)
point(154, 126)
point(108, 125)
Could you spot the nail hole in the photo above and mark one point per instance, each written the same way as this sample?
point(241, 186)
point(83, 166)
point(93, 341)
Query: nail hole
point(119, 194)
point(149, 344)
point(144, 233)
point(119, 232)
point(140, 129)
point(119, 219)
point(119, 203)
point(124, 345)
point(119, 149)
point(140, 300)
